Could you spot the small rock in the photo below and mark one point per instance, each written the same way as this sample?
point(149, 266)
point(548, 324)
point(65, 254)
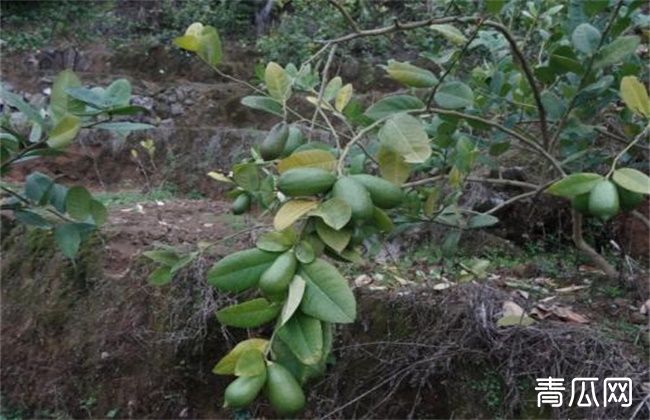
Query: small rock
point(177, 109)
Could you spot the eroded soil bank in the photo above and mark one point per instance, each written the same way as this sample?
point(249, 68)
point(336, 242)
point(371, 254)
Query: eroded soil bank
point(94, 339)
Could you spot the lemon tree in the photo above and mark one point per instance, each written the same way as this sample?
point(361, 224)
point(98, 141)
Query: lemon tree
point(540, 87)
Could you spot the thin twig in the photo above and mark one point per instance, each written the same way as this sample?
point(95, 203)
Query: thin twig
point(326, 69)
point(346, 15)
point(453, 64)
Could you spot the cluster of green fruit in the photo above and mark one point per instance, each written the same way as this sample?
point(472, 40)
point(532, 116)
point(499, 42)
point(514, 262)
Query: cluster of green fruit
point(606, 199)
point(280, 387)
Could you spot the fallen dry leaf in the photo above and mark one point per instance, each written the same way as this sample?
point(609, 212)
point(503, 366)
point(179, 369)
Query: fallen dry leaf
point(542, 311)
point(570, 289)
point(441, 286)
point(510, 308)
point(362, 280)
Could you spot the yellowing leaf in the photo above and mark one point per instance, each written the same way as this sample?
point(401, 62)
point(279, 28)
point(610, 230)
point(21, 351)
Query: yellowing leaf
point(277, 82)
point(291, 211)
point(332, 88)
point(453, 34)
point(410, 75)
point(635, 95)
point(64, 132)
point(343, 97)
point(308, 159)
point(226, 365)
point(405, 135)
point(392, 166)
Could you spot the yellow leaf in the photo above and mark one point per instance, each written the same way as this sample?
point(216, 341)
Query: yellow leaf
point(308, 159)
point(195, 29)
point(187, 42)
point(635, 95)
point(219, 177)
point(226, 365)
point(277, 82)
point(314, 101)
point(291, 211)
point(343, 97)
point(392, 166)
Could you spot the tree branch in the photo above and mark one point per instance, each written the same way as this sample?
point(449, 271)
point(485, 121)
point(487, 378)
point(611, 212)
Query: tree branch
point(346, 15)
point(586, 249)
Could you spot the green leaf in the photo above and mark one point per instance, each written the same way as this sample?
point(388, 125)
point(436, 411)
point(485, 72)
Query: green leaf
point(453, 34)
point(124, 127)
point(574, 184)
point(585, 38)
point(166, 256)
point(327, 295)
point(563, 60)
point(263, 103)
point(405, 135)
point(241, 270)
point(277, 82)
point(635, 95)
point(275, 241)
point(160, 276)
point(494, 6)
point(382, 221)
point(393, 105)
point(31, 219)
point(481, 221)
point(17, 102)
point(632, 180)
point(294, 297)
point(94, 98)
point(246, 176)
point(335, 212)
point(210, 46)
point(60, 102)
point(57, 197)
point(453, 95)
point(335, 239)
point(616, 51)
point(410, 75)
point(38, 187)
point(68, 238)
point(552, 104)
point(98, 212)
point(392, 166)
point(77, 203)
point(118, 93)
point(64, 132)
point(250, 363)
point(250, 314)
point(304, 337)
point(227, 364)
point(305, 252)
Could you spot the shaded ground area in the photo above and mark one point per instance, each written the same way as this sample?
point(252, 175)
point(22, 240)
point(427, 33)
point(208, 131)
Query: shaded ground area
point(94, 339)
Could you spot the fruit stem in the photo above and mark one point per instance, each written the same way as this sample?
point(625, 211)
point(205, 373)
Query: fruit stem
point(641, 135)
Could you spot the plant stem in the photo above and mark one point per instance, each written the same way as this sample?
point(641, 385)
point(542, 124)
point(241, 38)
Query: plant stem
point(586, 249)
point(641, 135)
